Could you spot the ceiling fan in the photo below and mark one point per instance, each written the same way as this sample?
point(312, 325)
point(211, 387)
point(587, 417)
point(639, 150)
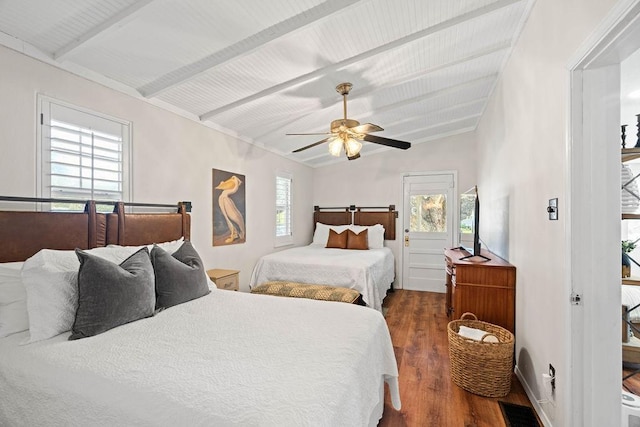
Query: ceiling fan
point(348, 133)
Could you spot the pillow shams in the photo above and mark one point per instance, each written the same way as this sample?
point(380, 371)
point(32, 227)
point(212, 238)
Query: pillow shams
point(321, 234)
point(13, 300)
point(170, 247)
point(375, 237)
point(337, 240)
point(51, 281)
point(179, 277)
point(357, 240)
point(11, 287)
point(111, 295)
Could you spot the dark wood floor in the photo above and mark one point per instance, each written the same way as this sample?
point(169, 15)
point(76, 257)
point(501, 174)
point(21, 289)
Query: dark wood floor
point(631, 384)
point(418, 327)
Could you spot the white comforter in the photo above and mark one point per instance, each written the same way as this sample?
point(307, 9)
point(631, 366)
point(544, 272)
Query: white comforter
point(370, 272)
point(226, 359)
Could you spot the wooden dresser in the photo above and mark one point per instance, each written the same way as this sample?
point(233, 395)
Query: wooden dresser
point(486, 289)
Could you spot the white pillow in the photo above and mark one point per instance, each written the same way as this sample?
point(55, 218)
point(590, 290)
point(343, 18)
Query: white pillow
point(12, 265)
point(13, 300)
point(51, 281)
point(170, 247)
point(11, 287)
point(13, 318)
point(321, 235)
point(375, 234)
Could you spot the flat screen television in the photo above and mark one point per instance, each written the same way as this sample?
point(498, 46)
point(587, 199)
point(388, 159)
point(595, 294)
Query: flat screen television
point(475, 252)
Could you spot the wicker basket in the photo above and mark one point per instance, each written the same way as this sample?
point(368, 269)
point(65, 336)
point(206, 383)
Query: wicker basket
point(483, 368)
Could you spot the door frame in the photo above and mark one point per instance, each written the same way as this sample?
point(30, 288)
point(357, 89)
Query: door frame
point(594, 382)
point(456, 214)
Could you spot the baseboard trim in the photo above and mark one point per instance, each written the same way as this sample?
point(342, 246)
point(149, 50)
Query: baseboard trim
point(534, 400)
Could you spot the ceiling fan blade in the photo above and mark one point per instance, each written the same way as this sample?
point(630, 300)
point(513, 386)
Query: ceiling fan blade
point(319, 133)
point(311, 145)
point(366, 128)
point(387, 141)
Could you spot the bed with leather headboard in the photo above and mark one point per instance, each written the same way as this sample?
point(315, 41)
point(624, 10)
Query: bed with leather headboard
point(331, 259)
point(26, 232)
point(181, 364)
point(359, 215)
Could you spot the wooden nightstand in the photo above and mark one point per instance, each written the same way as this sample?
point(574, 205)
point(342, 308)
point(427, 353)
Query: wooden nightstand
point(224, 279)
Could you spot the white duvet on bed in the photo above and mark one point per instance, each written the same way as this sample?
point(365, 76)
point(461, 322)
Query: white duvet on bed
point(370, 272)
point(228, 358)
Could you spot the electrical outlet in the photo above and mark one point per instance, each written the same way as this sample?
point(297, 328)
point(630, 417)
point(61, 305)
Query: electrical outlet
point(552, 374)
point(546, 388)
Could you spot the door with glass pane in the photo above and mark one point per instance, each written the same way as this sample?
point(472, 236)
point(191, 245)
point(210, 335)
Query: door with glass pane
point(428, 227)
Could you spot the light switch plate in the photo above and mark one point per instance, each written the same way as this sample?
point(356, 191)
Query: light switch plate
point(552, 209)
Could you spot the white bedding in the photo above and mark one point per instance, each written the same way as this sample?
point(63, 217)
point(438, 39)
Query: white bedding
point(370, 272)
point(228, 358)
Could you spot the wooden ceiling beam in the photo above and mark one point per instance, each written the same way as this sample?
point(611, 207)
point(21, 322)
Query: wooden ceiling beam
point(483, 100)
point(117, 19)
point(437, 125)
point(460, 19)
point(367, 90)
point(451, 89)
point(416, 99)
point(243, 47)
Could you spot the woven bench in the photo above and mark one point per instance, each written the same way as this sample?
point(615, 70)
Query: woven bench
point(304, 290)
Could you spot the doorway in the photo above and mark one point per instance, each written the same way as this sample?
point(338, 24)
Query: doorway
point(594, 169)
point(429, 218)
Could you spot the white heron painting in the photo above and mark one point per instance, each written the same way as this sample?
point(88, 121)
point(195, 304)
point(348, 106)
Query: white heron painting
point(228, 208)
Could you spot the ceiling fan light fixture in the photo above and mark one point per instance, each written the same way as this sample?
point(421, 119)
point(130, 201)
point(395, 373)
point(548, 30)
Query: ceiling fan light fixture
point(352, 147)
point(348, 133)
point(335, 147)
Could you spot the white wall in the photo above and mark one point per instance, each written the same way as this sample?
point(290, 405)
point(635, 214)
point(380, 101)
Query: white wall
point(376, 180)
point(172, 158)
point(523, 163)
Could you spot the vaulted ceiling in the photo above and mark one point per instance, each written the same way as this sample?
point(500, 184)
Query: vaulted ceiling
point(256, 69)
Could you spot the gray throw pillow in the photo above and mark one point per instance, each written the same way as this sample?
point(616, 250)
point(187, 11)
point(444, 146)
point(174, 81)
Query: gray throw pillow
point(111, 295)
point(180, 277)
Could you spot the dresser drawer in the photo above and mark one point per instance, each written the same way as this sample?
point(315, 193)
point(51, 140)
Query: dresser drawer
point(229, 282)
point(225, 279)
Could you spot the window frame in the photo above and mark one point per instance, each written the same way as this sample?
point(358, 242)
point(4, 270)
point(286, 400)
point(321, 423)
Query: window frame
point(43, 156)
point(285, 239)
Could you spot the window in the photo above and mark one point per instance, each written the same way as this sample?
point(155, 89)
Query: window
point(284, 234)
point(428, 213)
point(83, 155)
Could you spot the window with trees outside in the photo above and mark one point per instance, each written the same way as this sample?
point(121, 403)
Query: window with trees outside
point(84, 155)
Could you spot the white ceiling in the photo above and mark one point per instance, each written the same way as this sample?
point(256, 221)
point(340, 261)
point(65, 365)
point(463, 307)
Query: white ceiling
point(256, 69)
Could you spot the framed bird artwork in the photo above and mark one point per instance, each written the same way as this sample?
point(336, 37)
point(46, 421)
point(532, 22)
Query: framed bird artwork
point(228, 208)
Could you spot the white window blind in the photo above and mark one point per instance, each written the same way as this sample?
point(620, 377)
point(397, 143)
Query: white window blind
point(84, 155)
point(284, 234)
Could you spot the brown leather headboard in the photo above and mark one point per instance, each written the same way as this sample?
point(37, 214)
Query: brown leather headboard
point(386, 218)
point(131, 229)
point(362, 215)
point(24, 233)
point(331, 217)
